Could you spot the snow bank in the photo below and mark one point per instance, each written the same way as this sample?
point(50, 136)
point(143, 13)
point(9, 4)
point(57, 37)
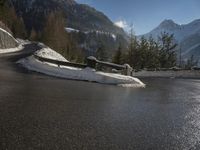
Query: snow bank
point(47, 52)
point(23, 42)
point(11, 50)
point(67, 72)
point(86, 74)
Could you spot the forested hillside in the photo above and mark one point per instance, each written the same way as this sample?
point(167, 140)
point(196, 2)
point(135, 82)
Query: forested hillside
point(47, 21)
point(77, 31)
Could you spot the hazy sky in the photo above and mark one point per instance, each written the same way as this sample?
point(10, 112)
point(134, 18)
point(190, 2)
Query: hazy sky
point(147, 14)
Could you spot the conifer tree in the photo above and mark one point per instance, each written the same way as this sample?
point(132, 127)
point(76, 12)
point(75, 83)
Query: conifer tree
point(153, 54)
point(143, 52)
point(9, 17)
point(33, 35)
point(101, 53)
point(167, 50)
point(132, 57)
point(54, 34)
point(118, 56)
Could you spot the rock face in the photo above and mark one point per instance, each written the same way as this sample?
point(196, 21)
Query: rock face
point(7, 40)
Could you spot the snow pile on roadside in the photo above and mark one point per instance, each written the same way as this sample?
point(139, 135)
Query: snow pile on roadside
point(87, 74)
point(47, 52)
point(11, 50)
point(23, 42)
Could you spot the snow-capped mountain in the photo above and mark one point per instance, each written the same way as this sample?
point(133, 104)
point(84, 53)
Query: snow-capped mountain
point(180, 31)
point(186, 35)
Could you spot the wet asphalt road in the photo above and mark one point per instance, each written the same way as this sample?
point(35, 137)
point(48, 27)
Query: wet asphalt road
point(41, 112)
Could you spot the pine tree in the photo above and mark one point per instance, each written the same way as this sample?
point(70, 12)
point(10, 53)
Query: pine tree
point(18, 27)
point(33, 35)
point(54, 34)
point(143, 53)
point(9, 17)
point(167, 50)
point(101, 53)
point(153, 54)
point(132, 57)
point(118, 56)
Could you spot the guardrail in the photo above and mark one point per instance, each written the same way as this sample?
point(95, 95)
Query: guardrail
point(60, 63)
point(91, 62)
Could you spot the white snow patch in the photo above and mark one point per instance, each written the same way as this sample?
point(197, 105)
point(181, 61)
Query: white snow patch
point(47, 52)
point(69, 30)
point(114, 36)
point(102, 33)
point(23, 42)
point(11, 50)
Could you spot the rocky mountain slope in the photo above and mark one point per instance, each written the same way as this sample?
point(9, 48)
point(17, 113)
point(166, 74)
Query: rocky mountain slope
point(186, 35)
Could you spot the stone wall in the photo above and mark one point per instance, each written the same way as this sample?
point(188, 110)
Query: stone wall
point(7, 40)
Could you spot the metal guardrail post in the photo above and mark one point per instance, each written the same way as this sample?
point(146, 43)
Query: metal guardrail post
point(91, 62)
point(128, 70)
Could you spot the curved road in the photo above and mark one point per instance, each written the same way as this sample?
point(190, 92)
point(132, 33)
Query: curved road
point(41, 112)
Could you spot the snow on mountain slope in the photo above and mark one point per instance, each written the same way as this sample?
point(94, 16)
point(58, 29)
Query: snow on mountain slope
point(191, 48)
point(180, 31)
point(186, 35)
point(70, 30)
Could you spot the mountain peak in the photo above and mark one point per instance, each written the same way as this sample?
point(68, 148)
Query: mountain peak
point(195, 22)
point(168, 23)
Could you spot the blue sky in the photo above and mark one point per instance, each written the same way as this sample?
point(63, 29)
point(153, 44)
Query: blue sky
point(147, 14)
